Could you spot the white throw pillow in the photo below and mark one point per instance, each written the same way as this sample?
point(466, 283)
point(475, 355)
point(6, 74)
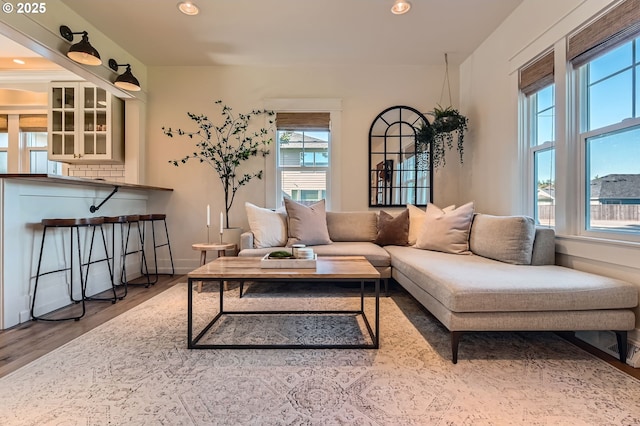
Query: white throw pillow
point(269, 227)
point(416, 219)
point(446, 231)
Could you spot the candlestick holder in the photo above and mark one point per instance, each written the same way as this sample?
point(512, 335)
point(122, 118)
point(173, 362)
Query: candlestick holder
point(208, 235)
point(221, 238)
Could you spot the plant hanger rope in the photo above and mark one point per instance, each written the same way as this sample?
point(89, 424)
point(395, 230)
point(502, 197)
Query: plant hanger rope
point(446, 79)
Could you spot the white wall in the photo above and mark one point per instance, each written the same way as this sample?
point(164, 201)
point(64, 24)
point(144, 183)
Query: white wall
point(492, 176)
point(364, 92)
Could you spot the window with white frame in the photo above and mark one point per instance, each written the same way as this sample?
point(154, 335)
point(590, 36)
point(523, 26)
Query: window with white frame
point(26, 136)
point(536, 82)
point(608, 107)
point(4, 143)
point(303, 142)
point(542, 154)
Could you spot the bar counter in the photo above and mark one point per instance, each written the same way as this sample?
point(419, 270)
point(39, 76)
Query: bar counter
point(77, 181)
point(26, 199)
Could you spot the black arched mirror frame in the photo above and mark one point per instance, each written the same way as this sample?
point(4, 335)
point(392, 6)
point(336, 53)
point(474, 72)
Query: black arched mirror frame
point(399, 170)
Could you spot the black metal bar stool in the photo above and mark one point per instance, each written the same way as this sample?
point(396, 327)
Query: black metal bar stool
point(71, 224)
point(126, 222)
point(152, 219)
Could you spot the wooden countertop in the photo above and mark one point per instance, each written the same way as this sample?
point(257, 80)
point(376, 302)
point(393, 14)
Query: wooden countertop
point(78, 181)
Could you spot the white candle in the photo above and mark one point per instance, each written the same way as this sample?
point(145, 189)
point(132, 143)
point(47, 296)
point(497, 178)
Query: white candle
point(208, 215)
point(221, 220)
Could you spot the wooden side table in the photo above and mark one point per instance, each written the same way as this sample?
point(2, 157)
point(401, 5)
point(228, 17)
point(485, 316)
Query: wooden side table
point(204, 248)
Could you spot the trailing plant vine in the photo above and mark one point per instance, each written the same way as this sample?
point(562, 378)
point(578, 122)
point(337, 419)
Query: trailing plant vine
point(447, 123)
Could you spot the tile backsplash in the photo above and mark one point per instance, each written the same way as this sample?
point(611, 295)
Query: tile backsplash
point(110, 172)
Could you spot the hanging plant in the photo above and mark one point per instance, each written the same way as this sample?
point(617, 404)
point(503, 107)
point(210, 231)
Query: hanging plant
point(447, 123)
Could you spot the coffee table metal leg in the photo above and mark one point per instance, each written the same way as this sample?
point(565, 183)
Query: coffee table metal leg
point(190, 314)
point(376, 343)
point(374, 332)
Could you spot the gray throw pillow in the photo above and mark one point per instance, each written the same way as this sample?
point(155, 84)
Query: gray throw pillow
point(508, 239)
point(307, 224)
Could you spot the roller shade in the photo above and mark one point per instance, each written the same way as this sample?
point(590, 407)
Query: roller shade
point(302, 120)
point(618, 25)
point(537, 74)
point(4, 123)
point(33, 123)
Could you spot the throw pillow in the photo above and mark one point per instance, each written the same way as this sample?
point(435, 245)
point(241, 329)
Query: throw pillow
point(269, 227)
point(393, 231)
point(446, 231)
point(416, 219)
point(307, 224)
point(508, 239)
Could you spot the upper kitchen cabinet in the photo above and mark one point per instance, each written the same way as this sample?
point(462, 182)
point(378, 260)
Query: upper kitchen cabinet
point(86, 124)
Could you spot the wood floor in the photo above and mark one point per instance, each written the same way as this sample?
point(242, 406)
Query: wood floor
point(26, 342)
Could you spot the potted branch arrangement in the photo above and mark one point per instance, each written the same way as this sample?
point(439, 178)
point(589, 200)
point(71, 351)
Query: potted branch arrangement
point(447, 123)
point(226, 146)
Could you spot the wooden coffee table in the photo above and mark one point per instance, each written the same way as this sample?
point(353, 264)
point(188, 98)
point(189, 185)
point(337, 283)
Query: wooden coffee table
point(328, 269)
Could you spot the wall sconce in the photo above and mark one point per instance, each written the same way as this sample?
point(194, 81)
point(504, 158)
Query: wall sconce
point(126, 80)
point(82, 52)
point(400, 7)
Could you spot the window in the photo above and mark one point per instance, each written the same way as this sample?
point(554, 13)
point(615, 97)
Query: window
point(536, 82)
point(4, 143)
point(609, 109)
point(26, 135)
point(303, 153)
point(34, 144)
point(542, 153)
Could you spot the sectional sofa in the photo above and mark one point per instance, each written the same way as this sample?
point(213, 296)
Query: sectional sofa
point(506, 280)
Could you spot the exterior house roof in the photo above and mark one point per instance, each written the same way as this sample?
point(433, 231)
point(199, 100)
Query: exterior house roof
point(616, 187)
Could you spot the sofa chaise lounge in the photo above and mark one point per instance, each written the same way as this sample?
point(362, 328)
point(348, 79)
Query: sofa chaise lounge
point(483, 290)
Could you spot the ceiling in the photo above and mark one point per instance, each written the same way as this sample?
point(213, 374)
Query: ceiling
point(296, 32)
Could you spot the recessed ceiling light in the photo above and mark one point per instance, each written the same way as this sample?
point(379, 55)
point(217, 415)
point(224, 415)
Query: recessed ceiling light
point(188, 8)
point(19, 61)
point(400, 7)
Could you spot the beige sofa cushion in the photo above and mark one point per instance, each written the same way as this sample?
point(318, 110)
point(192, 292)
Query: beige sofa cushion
point(446, 231)
point(478, 284)
point(307, 224)
point(269, 227)
point(375, 254)
point(505, 238)
point(352, 226)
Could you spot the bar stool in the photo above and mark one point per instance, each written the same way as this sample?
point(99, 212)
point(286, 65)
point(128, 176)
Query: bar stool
point(125, 238)
point(152, 219)
point(71, 224)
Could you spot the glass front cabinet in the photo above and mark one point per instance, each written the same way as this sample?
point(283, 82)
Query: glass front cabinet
point(86, 124)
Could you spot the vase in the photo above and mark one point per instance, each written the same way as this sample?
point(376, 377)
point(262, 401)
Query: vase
point(232, 236)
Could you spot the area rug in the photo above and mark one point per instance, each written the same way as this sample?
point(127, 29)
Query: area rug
point(136, 370)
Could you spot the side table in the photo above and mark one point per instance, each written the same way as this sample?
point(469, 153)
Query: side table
point(204, 247)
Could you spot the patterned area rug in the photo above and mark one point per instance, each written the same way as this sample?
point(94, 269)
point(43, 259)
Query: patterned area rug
point(136, 370)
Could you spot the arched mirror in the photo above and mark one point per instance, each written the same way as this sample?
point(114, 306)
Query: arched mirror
point(399, 173)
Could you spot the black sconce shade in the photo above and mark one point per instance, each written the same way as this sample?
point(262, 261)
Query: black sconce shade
point(82, 52)
point(126, 80)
